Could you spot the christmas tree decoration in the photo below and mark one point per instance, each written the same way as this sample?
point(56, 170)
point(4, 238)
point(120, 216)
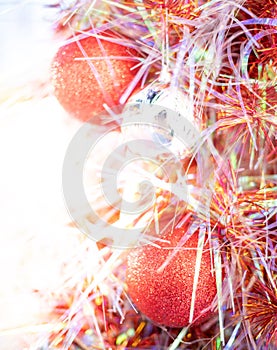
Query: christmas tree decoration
point(161, 277)
point(91, 72)
point(175, 6)
point(194, 85)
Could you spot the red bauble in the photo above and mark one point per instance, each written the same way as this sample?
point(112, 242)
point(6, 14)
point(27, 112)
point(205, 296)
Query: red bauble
point(165, 296)
point(83, 86)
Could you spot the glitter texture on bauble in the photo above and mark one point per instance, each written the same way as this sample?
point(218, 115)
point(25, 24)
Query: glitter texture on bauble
point(163, 292)
point(90, 72)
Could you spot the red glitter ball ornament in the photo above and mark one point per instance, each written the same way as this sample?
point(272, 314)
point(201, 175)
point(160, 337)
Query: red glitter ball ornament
point(90, 72)
point(164, 294)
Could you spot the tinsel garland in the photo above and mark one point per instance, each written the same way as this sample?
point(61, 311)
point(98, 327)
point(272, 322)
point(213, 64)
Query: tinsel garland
point(221, 54)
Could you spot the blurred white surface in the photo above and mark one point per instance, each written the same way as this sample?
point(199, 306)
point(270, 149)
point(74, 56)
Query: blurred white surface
point(25, 28)
point(35, 240)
